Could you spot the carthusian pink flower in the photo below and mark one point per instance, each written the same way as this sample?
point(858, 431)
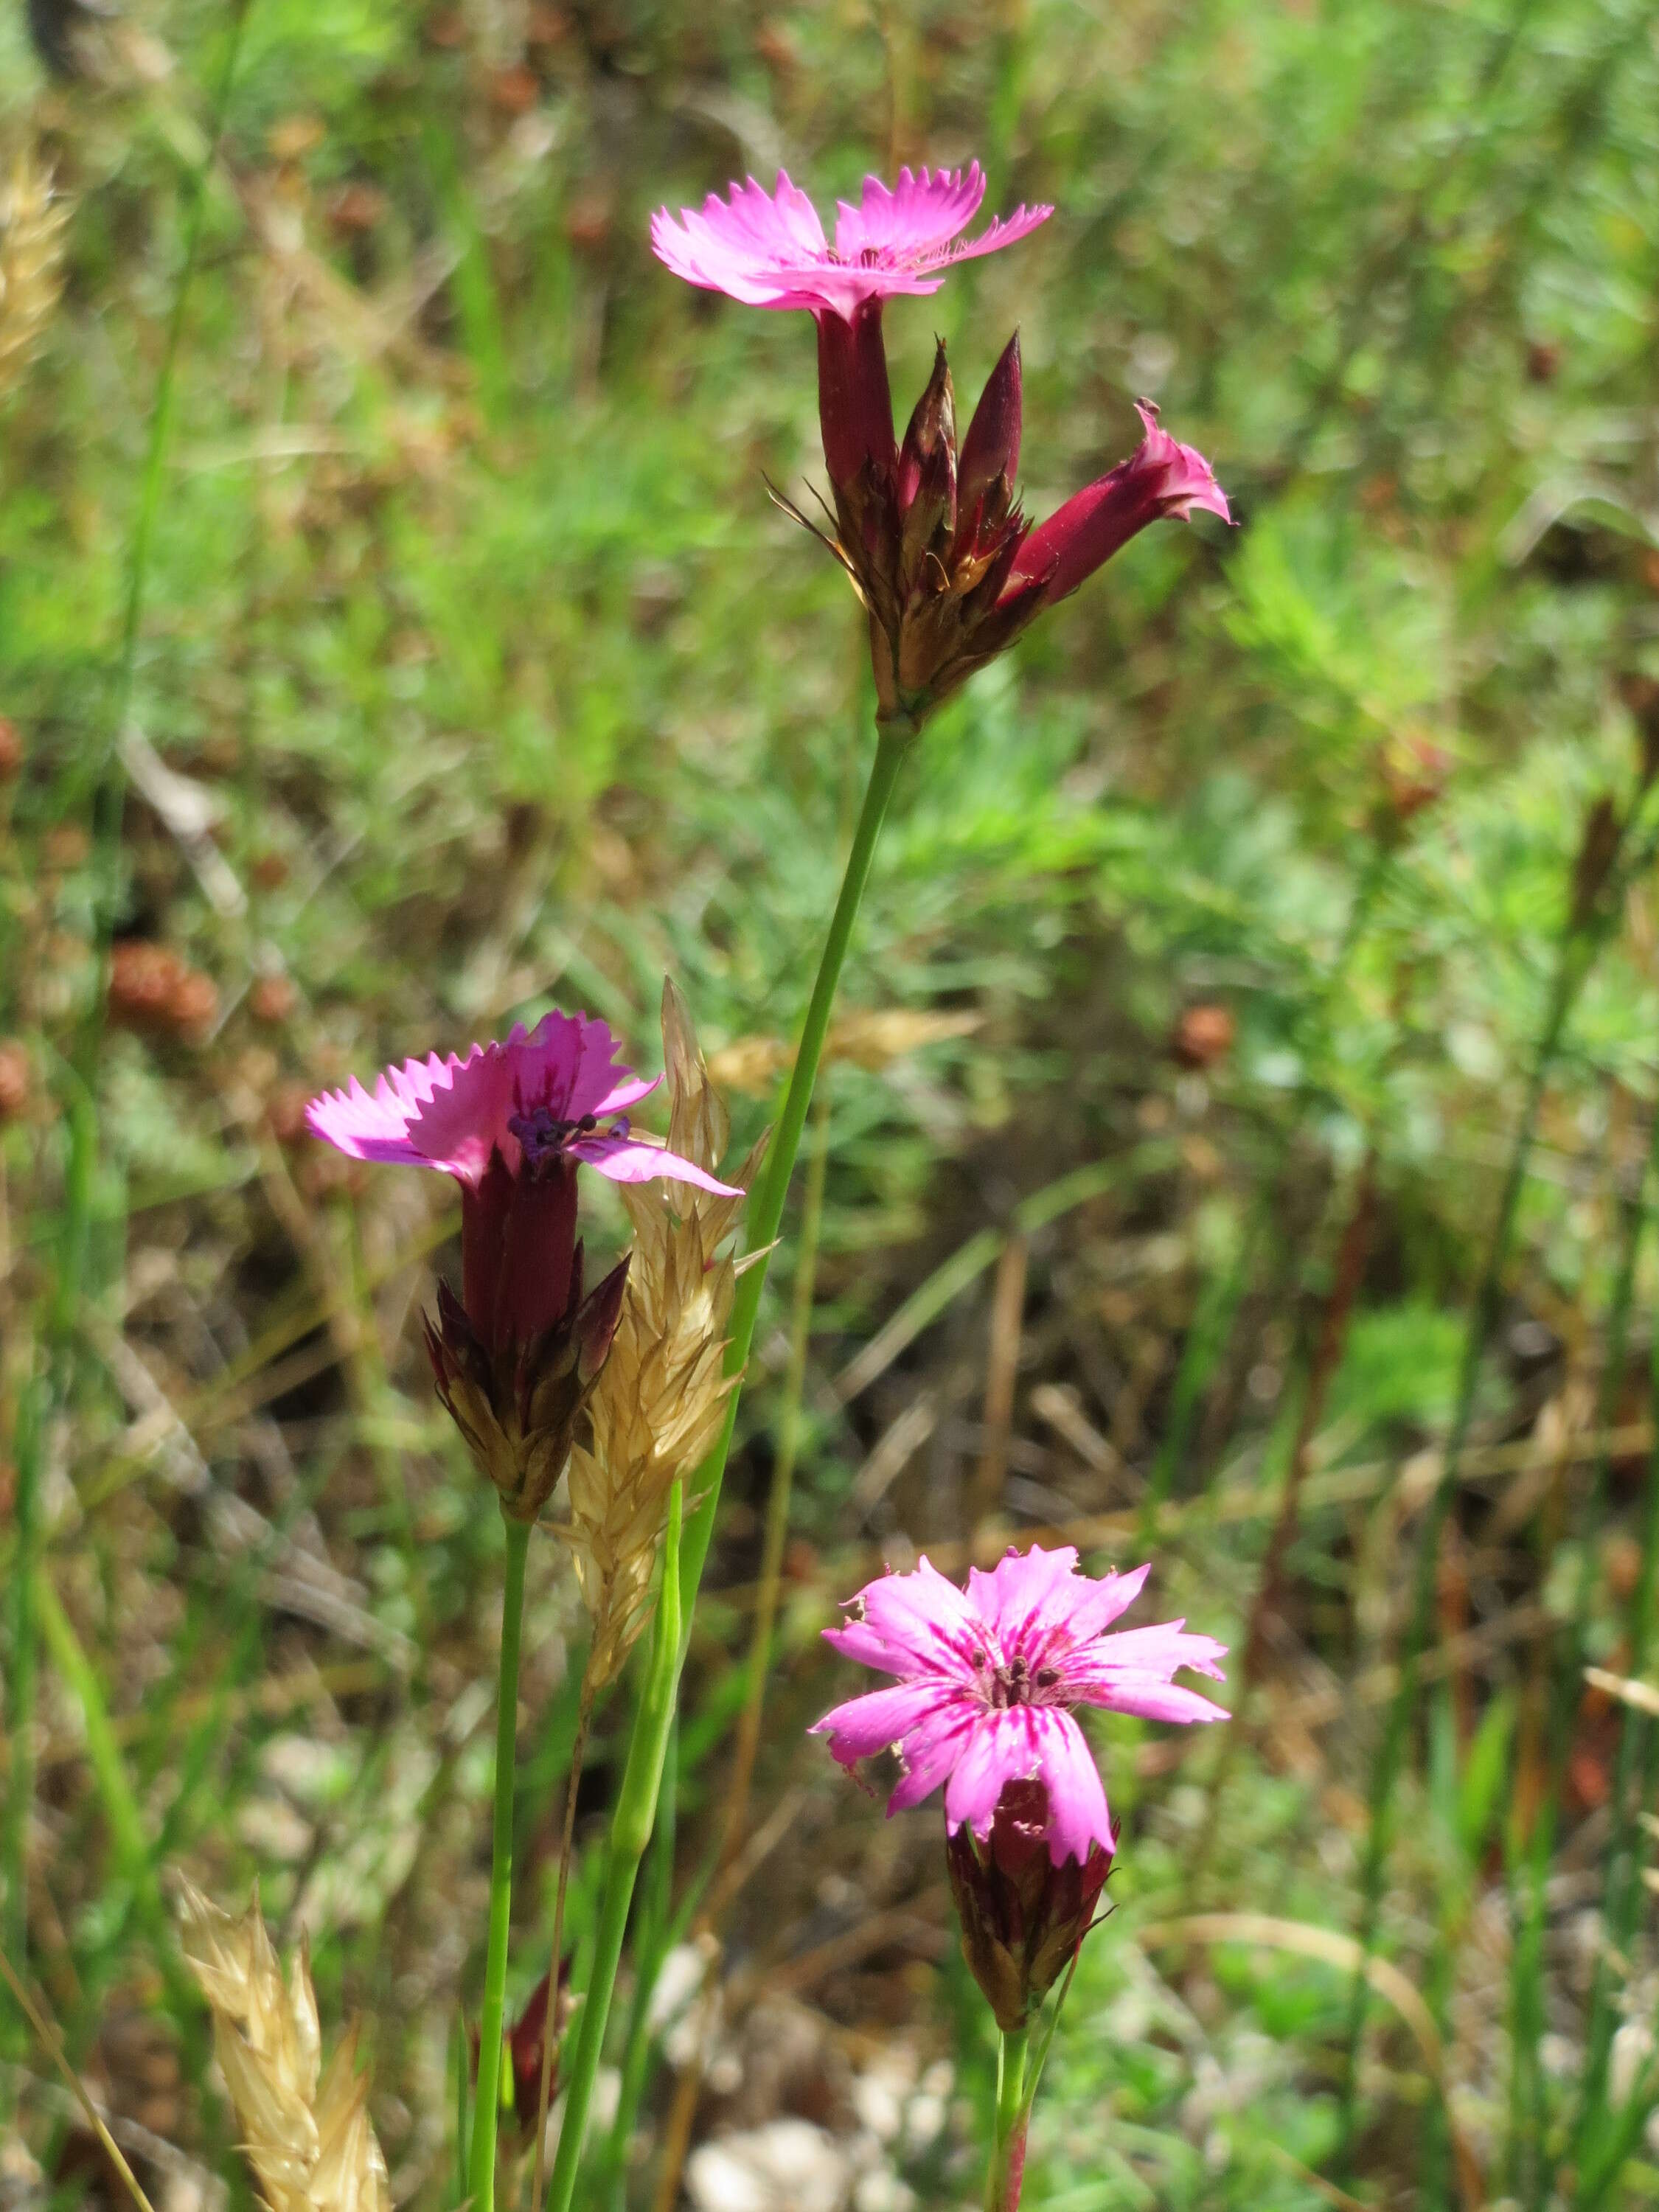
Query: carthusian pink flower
point(930, 535)
point(988, 1679)
point(517, 1354)
point(768, 250)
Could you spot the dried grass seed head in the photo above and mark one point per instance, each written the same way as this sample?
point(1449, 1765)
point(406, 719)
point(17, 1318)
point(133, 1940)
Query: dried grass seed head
point(660, 1400)
point(305, 2130)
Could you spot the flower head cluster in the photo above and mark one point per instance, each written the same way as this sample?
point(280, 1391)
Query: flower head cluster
point(517, 1354)
point(305, 2130)
point(661, 1399)
point(988, 1678)
point(929, 530)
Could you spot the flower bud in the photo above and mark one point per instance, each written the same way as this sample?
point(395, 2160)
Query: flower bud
point(932, 427)
point(1023, 1917)
point(990, 452)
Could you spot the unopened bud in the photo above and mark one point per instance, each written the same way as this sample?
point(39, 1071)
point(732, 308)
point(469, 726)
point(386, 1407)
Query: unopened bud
point(933, 425)
point(1023, 1917)
point(990, 452)
point(595, 1325)
point(933, 511)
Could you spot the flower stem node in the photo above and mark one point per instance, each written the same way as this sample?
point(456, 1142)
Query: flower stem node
point(1023, 1917)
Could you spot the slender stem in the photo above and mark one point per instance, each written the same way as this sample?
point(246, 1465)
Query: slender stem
point(1572, 966)
point(653, 1941)
point(766, 1205)
point(550, 2021)
point(635, 1811)
point(631, 1831)
point(1007, 2168)
point(783, 1477)
point(487, 2105)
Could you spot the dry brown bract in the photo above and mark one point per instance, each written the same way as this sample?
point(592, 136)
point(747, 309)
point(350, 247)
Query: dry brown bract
point(660, 1399)
point(307, 2132)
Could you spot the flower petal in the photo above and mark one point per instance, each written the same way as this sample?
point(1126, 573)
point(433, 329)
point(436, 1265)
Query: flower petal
point(1150, 1698)
point(632, 1159)
point(932, 1752)
point(913, 1625)
point(1019, 1588)
point(1004, 1747)
point(920, 214)
point(885, 1720)
point(1078, 1813)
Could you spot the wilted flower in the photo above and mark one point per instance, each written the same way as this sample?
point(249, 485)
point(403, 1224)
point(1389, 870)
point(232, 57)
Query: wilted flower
point(988, 1679)
point(307, 2132)
point(660, 1401)
point(930, 533)
point(1023, 1917)
point(517, 1354)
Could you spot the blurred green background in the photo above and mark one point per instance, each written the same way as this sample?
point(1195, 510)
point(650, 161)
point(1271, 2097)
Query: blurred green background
point(470, 668)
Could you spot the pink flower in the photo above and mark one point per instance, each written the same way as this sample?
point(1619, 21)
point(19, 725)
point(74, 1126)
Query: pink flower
point(987, 1678)
point(1159, 478)
point(931, 535)
point(511, 1122)
point(768, 250)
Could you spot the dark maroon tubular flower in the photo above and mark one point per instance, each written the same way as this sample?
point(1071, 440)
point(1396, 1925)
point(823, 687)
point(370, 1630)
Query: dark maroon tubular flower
point(1159, 478)
point(1022, 1916)
point(855, 406)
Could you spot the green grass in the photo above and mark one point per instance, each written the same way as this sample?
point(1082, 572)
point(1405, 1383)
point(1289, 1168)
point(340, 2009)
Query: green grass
point(461, 606)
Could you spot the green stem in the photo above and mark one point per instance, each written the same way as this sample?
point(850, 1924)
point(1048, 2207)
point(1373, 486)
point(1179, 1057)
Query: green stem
point(1007, 2168)
point(766, 1205)
point(487, 2104)
point(650, 1948)
point(637, 1807)
point(631, 1831)
point(783, 1477)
